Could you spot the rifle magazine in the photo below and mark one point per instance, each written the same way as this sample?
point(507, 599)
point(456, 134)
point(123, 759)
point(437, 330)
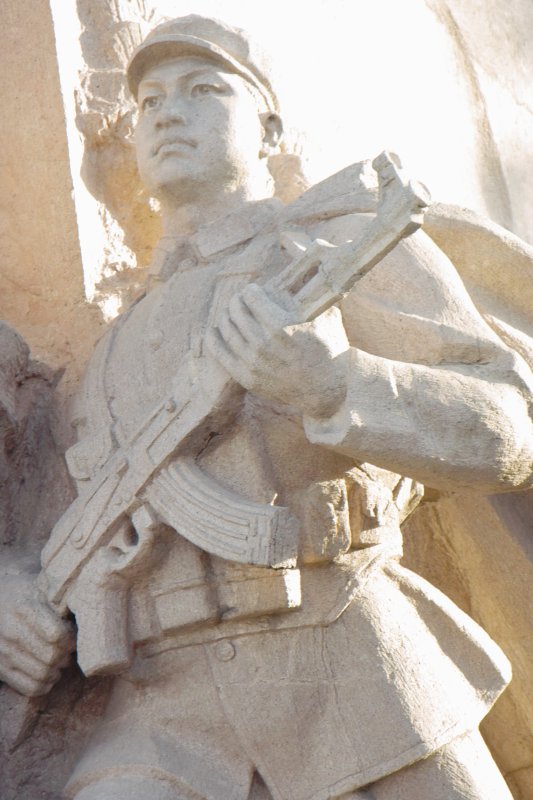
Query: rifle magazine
point(219, 521)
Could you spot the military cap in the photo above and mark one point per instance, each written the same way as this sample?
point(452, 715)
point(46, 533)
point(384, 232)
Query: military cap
point(196, 35)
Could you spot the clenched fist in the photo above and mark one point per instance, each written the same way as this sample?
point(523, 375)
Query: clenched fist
point(257, 342)
point(35, 643)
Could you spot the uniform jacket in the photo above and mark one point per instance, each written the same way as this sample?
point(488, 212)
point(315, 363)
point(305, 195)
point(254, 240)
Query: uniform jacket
point(347, 641)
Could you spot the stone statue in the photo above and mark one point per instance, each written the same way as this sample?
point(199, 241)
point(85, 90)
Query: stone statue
point(27, 465)
point(252, 433)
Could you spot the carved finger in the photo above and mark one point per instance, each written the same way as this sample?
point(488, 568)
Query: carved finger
point(268, 314)
point(25, 684)
point(233, 338)
point(30, 642)
point(248, 325)
point(26, 663)
point(225, 356)
point(45, 623)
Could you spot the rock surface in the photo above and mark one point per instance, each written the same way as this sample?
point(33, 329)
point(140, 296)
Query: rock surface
point(69, 208)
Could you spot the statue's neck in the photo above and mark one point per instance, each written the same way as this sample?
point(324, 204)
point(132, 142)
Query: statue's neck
point(184, 219)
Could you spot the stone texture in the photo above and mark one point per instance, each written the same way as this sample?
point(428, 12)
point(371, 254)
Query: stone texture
point(461, 555)
point(497, 43)
point(37, 740)
point(476, 550)
point(41, 279)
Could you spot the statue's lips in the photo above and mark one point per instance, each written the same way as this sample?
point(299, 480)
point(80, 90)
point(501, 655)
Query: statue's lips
point(174, 146)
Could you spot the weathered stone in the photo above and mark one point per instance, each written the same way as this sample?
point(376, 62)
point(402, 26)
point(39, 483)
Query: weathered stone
point(409, 374)
point(41, 278)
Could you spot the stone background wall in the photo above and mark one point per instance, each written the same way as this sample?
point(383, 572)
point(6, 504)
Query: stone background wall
point(446, 83)
point(41, 279)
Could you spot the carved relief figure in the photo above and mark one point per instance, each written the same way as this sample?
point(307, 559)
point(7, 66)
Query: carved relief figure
point(252, 433)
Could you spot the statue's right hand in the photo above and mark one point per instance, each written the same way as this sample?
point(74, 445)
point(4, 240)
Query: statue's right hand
point(35, 643)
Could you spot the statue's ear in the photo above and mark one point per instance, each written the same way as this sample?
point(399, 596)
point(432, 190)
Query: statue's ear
point(273, 133)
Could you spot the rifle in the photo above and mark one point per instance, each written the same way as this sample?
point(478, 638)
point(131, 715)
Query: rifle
point(103, 539)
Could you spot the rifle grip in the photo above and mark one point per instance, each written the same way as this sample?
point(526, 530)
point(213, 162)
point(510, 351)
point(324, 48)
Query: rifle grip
point(102, 619)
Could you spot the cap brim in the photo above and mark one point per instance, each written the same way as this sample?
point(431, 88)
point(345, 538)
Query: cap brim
point(158, 49)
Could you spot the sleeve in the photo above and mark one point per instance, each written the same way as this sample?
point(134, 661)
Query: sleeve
point(432, 392)
point(91, 418)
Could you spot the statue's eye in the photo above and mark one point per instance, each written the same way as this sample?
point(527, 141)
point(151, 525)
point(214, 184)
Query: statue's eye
point(150, 102)
point(202, 89)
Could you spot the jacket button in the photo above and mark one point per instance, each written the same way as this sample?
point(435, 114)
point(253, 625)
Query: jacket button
point(187, 263)
point(225, 650)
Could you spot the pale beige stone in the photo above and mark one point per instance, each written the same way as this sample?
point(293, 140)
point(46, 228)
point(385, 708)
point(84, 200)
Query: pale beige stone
point(41, 279)
point(34, 490)
point(496, 41)
point(395, 347)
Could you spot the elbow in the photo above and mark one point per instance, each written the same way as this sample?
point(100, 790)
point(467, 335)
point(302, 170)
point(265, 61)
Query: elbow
point(486, 445)
point(514, 469)
point(507, 434)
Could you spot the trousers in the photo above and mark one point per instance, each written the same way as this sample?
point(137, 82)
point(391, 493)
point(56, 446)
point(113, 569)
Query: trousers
point(318, 711)
point(462, 770)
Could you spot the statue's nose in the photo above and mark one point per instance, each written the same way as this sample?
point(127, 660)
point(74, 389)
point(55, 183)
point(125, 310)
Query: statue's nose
point(172, 111)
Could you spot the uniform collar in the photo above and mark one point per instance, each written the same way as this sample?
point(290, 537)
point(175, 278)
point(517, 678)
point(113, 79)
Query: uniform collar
point(224, 233)
point(235, 228)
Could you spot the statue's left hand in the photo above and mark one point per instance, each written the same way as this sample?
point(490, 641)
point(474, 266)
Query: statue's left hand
point(302, 365)
point(35, 643)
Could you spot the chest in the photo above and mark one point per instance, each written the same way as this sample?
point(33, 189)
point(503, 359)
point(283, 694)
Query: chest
point(167, 325)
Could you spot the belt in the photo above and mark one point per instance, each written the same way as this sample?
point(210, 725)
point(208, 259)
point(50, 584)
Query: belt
point(195, 614)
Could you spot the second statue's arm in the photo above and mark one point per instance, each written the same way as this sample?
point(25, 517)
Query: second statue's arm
point(420, 385)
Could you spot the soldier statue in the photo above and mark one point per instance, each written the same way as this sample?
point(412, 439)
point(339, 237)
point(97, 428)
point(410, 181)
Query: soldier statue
point(252, 433)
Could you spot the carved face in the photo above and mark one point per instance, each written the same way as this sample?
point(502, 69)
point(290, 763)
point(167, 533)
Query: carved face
point(199, 130)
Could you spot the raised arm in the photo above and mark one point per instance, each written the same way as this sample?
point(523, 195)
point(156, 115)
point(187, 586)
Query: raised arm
point(431, 391)
point(409, 378)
